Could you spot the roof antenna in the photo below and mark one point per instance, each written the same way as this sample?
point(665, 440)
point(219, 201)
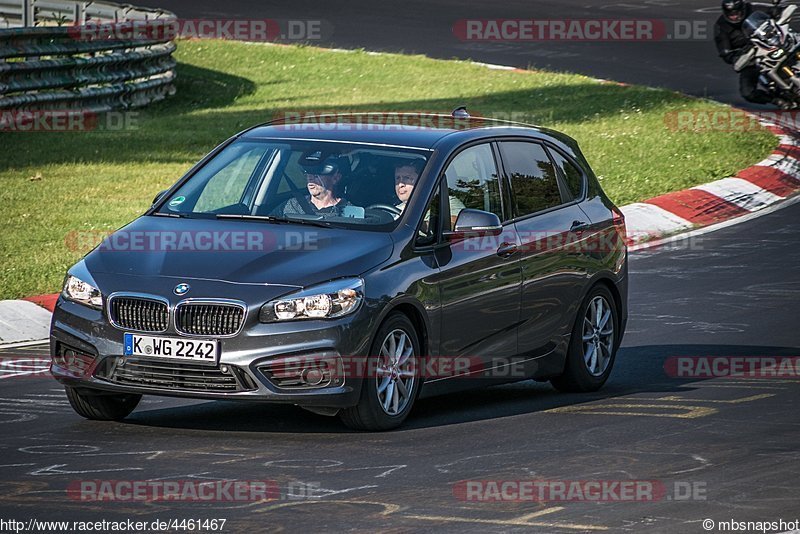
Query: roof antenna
point(461, 113)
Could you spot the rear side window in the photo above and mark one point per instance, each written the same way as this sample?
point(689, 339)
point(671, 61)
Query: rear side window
point(533, 176)
point(573, 177)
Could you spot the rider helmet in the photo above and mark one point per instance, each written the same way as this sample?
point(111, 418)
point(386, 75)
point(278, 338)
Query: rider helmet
point(733, 11)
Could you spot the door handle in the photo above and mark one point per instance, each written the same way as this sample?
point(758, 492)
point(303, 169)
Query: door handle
point(578, 226)
point(507, 249)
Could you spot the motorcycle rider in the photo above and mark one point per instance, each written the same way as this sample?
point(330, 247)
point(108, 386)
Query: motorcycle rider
point(732, 43)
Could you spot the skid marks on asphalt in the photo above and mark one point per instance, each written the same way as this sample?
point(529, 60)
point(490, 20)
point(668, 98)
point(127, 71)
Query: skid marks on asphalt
point(62, 463)
point(671, 406)
point(29, 364)
point(30, 406)
point(546, 517)
point(24, 361)
point(324, 475)
point(526, 520)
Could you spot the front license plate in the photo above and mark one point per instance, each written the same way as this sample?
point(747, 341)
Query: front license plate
point(193, 350)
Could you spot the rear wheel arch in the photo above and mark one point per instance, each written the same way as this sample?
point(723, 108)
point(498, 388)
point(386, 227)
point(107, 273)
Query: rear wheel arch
point(575, 376)
point(609, 284)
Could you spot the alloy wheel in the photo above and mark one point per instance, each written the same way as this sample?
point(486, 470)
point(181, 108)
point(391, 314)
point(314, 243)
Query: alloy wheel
point(396, 372)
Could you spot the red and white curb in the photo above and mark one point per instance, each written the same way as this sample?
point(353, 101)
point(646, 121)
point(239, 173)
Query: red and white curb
point(753, 189)
point(22, 322)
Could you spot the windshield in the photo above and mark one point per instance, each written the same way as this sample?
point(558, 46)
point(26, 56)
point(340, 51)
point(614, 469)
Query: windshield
point(754, 22)
point(302, 181)
point(769, 33)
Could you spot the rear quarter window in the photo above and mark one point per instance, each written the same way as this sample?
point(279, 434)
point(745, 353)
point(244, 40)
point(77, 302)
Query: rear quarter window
point(533, 177)
point(573, 176)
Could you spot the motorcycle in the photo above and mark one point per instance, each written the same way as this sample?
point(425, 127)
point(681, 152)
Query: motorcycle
point(776, 53)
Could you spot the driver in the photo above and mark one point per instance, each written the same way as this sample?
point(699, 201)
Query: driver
point(732, 42)
point(321, 181)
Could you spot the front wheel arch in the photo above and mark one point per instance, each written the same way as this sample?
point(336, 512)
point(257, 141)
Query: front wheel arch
point(415, 312)
point(366, 414)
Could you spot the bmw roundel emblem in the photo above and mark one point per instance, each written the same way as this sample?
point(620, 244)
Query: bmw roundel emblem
point(181, 289)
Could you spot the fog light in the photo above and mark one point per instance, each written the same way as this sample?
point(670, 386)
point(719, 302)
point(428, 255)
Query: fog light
point(304, 372)
point(73, 360)
point(313, 377)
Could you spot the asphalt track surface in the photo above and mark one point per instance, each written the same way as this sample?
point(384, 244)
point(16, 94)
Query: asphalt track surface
point(720, 448)
point(426, 27)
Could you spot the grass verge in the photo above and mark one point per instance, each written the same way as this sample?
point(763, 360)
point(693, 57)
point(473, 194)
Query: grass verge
point(56, 186)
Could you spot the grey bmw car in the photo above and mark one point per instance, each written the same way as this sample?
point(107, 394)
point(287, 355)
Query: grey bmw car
point(348, 264)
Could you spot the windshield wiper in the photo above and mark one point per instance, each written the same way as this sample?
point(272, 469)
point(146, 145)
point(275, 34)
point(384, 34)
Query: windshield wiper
point(270, 218)
point(310, 222)
point(162, 214)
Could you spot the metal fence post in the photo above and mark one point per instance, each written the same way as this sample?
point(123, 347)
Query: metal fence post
point(28, 17)
point(79, 15)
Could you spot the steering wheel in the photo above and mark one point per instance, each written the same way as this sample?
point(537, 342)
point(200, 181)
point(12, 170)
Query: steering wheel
point(394, 210)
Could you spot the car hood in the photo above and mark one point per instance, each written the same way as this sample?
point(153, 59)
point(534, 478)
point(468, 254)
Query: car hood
point(240, 252)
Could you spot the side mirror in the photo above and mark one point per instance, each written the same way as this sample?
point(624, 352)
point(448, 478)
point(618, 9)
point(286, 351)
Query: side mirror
point(786, 16)
point(158, 196)
point(475, 223)
point(744, 59)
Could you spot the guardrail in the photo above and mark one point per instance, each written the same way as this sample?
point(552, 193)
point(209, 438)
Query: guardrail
point(22, 13)
point(51, 59)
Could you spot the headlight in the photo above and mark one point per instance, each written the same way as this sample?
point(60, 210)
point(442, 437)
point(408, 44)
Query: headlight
point(326, 301)
point(77, 290)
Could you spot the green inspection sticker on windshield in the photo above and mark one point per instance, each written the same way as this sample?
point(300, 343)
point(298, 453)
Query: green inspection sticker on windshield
point(177, 201)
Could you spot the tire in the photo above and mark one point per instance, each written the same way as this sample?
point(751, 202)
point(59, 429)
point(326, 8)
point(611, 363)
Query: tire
point(584, 372)
point(371, 412)
point(102, 407)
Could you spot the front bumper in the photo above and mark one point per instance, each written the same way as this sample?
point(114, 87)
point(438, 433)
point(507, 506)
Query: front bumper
point(87, 353)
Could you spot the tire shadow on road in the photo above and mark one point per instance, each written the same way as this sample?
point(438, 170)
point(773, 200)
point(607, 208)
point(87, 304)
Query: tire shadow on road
point(649, 369)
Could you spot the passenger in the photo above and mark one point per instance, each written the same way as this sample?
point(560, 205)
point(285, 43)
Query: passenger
point(405, 178)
